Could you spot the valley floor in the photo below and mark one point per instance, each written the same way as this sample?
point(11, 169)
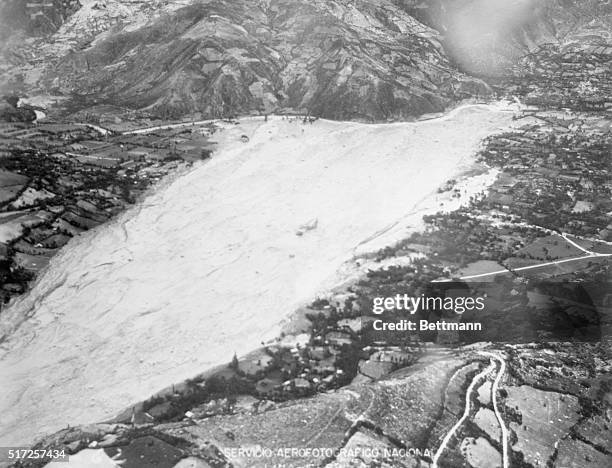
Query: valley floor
point(211, 264)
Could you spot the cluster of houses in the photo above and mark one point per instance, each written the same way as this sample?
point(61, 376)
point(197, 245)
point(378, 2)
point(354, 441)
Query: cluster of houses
point(574, 76)
point(128, 150)
point(317, 363)
point(87, 145)
point(555, 175)
point(332, 354)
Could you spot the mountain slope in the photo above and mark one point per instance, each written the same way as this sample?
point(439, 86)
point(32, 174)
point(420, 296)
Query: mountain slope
point(486, 37)
point(365, 60)
point(338, 59)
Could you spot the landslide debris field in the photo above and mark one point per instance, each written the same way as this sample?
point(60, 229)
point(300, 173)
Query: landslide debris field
point(214, 261)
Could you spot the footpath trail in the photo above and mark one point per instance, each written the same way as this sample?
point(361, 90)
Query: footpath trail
point(500, 420)
point(494, 358)
point(466, 413)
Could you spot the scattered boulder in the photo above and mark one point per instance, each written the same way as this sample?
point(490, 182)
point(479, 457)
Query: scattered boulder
point(307, 226)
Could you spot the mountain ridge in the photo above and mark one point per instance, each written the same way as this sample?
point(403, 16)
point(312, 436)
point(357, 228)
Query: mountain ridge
point(364, 61)
point(361, 60)
point(298, 57)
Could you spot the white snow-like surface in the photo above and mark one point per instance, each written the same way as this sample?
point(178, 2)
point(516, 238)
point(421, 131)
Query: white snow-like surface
point(88, 458)
point(211, 263)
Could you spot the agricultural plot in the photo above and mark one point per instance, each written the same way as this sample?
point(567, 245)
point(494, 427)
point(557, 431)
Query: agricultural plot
point(547, 417)
point(12, 224)
point(548, 248)
point(514, 262)
point(30, 197)
point(591, 245)
point(31, 262)
point(10, 185)
point(485, 419)
point(577, 454)
point(480, 453)
point(480, 267)
point(598, 430)
point(567, 269)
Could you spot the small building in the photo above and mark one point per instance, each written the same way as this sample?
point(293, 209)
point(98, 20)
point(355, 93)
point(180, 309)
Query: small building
point(301, 384)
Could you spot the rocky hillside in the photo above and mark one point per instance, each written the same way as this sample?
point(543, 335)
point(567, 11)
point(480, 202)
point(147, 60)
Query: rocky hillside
point(486, 37)
point(364, 60)
point(558, 418)
point(360, 60)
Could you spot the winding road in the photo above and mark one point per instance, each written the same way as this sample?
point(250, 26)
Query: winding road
point(587, 254)
point(494, 389)
point(494, 358)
